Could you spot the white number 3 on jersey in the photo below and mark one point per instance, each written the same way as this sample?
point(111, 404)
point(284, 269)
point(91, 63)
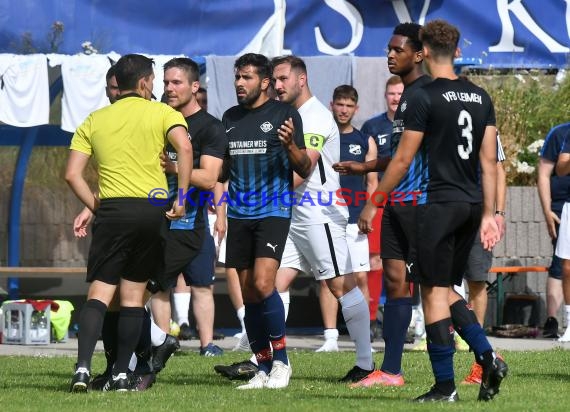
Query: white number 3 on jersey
point(464, 121)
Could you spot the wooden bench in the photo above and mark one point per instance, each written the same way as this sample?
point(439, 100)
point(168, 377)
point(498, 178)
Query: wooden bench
point(497, 287)
point(51, 272)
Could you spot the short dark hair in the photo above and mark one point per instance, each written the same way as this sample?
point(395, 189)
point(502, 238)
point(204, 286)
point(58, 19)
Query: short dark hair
point(259, 61)
point(202, 90)
point(412, 32)
point(296, 62)
point(441, 37)
point(131, 68)
point(188, 65)
point(345, 91)
point(110, 72)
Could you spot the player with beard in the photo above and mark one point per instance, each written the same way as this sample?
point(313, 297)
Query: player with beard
point(265, 147)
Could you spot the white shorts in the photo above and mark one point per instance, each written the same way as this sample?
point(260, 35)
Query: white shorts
point(358, 248)
point(321, 249)
point(220, 250)
point(563, 241)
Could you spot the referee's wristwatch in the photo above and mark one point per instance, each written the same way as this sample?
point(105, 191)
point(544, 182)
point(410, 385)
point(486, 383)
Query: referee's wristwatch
point(500, 212)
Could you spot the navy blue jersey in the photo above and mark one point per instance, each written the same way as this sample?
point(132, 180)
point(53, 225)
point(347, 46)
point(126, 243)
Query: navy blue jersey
point(453, 115)
point(260, 176)
point(413, 184)
point(353, 146)
point(380, 128)
point(208, 138)
point(552, 147)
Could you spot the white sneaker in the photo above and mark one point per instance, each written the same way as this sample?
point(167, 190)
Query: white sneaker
point(330, 345)
point(257, 382)
point(566, 336)
point(279, 375)
point(242, 344)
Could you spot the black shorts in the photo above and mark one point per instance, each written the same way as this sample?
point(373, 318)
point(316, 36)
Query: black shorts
point(201, 270)
point(249, 239)
point(181, 247)
point(128, 241)
point(445, 235)
point(399, 235)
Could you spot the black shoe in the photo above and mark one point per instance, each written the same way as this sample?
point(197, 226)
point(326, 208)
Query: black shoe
point(80, 380)
point(550, 329)
point(99, 381)
point(141, 382)
point(186, 332)
point(434, 395)
point(356, 374)
point(492, 378)
point(119, 383)
point(242, 371)
point(161, 354)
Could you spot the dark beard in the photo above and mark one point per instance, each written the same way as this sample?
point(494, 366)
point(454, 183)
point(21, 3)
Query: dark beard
point(250, 98)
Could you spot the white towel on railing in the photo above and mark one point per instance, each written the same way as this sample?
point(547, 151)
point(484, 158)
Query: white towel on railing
point(24, 90)
point(83, 86)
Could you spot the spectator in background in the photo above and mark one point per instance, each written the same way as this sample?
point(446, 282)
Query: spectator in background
point(553, 191)
point(202, 98)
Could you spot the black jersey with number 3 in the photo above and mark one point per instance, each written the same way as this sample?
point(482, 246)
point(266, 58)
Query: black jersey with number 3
point(453, 115)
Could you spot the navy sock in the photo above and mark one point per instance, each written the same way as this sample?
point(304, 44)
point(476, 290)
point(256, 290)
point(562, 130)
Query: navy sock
point(469, 329)
point(441, 347)
point(258, 339)
point(274, 319)
point(109, 335)
point(130, 326)
point(397, 316)
point(90, 325)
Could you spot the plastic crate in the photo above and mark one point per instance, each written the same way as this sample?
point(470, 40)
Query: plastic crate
point(23, 325)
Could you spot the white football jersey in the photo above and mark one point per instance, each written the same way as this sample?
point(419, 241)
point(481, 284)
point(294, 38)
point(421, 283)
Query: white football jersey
point(317, 199)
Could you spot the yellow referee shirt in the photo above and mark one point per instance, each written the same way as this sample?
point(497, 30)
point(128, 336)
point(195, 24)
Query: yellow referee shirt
point(126, 139)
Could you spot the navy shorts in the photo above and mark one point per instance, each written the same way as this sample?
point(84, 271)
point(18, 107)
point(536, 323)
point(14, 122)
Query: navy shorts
point(201, 270)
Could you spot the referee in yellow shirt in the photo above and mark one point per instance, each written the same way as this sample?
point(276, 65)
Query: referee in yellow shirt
point(126, 140)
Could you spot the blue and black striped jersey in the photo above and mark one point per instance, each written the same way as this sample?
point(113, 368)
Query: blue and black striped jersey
point(260, 181)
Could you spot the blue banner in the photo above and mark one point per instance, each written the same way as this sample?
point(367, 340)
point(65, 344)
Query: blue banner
point(499, 33)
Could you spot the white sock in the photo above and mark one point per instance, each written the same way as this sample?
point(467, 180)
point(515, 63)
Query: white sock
point(253, 359)
point(157, 335)
point(357, 319)
point(460, 289)
point(331, 334)
point(286, 298)
point(241, 316)
point(133, 362)
point(567, 310)
point(181, 306)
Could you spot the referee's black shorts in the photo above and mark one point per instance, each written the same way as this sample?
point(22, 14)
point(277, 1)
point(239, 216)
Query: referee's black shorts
point(128, 239)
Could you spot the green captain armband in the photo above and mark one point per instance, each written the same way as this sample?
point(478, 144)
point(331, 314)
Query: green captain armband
point(314, 141)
